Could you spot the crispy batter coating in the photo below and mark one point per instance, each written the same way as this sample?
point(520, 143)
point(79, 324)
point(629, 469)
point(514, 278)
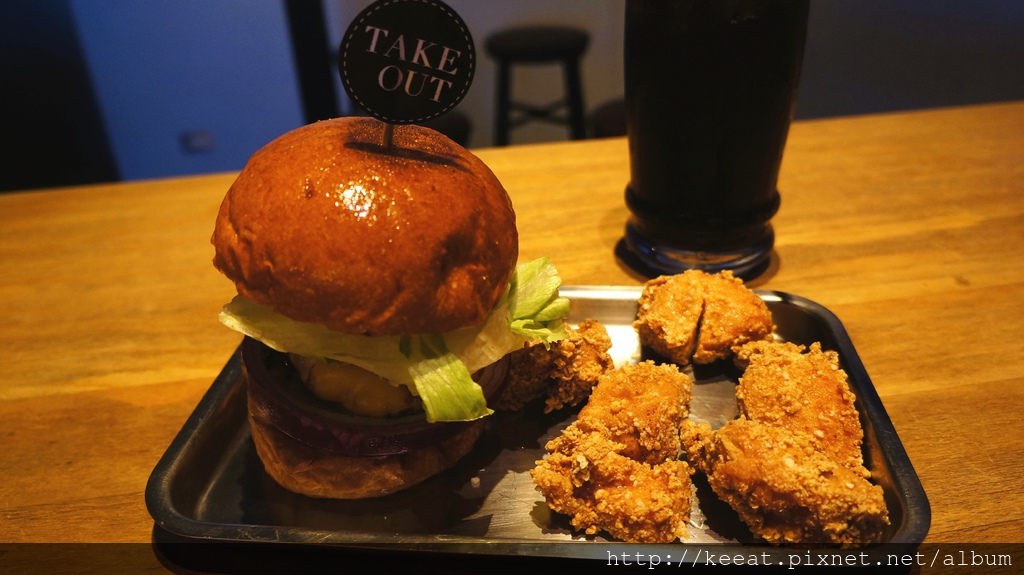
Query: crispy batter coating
point(670, 308)
point(640, 406)
point(587, 478)
point(783, 487)
point(564, 373)
point(806, 393)
point(791, 465)
point(700, 317)
point(616, 469)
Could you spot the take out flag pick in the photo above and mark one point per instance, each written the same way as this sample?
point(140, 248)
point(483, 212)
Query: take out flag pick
point(406, 61)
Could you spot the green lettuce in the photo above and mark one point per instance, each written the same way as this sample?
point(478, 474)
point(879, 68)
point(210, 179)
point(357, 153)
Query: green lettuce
point(436, 367)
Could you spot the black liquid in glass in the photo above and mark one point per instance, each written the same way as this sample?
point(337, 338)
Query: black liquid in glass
point(710, 89)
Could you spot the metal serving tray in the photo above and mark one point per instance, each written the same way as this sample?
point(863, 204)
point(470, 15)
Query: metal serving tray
point(210, 485)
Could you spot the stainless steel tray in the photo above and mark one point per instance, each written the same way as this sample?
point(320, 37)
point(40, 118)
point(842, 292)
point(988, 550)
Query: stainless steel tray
point(210, 485)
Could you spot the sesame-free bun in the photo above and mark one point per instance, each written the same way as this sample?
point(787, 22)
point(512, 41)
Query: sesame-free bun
point(326, 225)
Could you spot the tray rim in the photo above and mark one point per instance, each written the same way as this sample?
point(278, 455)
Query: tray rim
point(167, 517)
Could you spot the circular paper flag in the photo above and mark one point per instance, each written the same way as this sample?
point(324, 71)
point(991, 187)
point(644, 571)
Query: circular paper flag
point(406, 61)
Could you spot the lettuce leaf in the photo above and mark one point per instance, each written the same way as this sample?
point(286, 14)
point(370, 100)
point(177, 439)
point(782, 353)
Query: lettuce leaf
point(436, 367)
point(534, 305)
point(444, 384)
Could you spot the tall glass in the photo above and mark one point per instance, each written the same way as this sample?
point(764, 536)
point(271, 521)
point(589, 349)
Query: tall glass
point(710, 89)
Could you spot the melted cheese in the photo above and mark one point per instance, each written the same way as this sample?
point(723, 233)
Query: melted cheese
point(359, 391)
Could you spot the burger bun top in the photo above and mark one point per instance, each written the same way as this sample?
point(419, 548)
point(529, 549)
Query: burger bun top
point(325, 224)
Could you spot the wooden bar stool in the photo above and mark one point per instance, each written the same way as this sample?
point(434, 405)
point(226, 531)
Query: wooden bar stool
point(530, 45)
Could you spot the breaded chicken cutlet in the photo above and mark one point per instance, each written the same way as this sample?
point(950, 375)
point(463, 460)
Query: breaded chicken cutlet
point(640, 406)
point(805, 391)
point(791, 465)
point(700, 317)
point(616, 469)
point(587, 477)
point(783, 488)
point(563, 373)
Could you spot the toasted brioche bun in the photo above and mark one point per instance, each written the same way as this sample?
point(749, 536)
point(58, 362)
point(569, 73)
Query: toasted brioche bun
point(307, 470)
point(326, 225)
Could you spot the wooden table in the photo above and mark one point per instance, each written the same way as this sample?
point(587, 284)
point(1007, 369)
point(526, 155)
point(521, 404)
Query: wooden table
point(908, 226)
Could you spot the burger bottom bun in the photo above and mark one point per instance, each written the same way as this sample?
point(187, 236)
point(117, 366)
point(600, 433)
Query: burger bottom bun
point(314, 472)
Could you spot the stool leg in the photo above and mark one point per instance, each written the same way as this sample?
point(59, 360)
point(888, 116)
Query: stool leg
point(574, 89)
point(502, 120)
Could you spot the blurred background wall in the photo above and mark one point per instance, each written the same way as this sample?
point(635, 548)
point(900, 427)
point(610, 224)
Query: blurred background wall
point(96, 90)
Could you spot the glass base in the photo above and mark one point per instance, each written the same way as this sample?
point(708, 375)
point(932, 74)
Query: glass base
point(653, 258)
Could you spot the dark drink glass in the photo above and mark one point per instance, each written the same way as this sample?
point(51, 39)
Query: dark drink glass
point(710, 88)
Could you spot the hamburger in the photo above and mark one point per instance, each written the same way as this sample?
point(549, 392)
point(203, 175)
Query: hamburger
point(379, 296)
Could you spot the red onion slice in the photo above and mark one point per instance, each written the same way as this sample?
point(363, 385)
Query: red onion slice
point(280, 398)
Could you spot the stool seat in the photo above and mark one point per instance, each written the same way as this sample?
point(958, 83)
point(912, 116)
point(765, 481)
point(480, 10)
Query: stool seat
point(538, 44)
point(531, 45)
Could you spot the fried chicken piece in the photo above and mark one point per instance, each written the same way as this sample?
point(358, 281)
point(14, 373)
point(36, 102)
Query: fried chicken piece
point(806, 393)
point(564, 373)
point(670, 308)
point(783, 487)
point(587, 477)
point(616, 468)
point(791, 465)
point(700, 317)
point(733, 315)
point(640, 406)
